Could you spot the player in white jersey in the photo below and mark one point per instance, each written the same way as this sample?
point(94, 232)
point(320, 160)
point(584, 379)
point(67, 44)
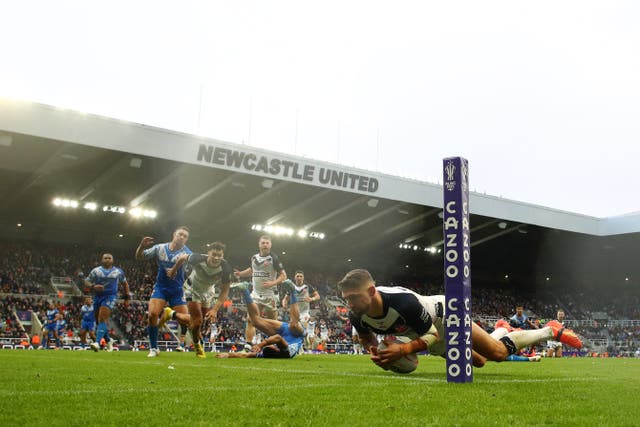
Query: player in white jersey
point(311, 337)
point(207, 272)
point(323, 328)
point(357, 348)
point(267, 272)
point(554, 348)
point(402, 312)
point(305, 295)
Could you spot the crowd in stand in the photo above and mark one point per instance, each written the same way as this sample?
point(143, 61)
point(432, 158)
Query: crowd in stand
point(26, 269)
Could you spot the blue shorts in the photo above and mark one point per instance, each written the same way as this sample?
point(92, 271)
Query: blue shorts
point(88, 326)
point(173, 296)
point(108, 301)
point(50, 327)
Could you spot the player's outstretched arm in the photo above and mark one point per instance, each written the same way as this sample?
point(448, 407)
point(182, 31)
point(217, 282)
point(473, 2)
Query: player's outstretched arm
point(171, 272)
point(241, 274)
point(274, 339)
point(144, 243)
point(212, 314)
point(282, 276)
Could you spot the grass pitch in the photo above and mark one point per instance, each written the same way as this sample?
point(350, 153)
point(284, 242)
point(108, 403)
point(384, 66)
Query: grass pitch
point(126, 388)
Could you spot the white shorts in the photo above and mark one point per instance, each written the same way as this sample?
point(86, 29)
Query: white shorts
point(205, 296)
point(267, 302)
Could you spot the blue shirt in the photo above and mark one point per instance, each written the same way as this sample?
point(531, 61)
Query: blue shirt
point(110, 278)
point(294, 341)
point(51, 315)
point(61, 324)
point(87, 313)
point(167, 259)
point(519, 322)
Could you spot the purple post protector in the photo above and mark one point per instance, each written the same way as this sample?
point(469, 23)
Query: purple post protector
point(457, 270)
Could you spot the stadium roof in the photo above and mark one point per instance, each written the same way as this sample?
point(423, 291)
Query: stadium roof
point(48, 152)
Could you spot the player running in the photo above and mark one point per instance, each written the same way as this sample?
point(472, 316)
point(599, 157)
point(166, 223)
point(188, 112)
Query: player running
point(166, 290)
point(402, 312)
point(88, 322)
point(267, 272)
point(554, 348)
point(207, 271)
point(305, 294)
point(50, 330)
point(103, 282)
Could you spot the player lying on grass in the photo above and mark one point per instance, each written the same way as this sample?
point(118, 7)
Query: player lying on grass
point(284, 338)
point(401, 312)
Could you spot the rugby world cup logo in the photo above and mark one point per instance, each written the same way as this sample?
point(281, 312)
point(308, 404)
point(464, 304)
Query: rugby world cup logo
point(449, 170)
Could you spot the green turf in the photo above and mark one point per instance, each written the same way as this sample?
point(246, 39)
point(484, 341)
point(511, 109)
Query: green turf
point(84, 388)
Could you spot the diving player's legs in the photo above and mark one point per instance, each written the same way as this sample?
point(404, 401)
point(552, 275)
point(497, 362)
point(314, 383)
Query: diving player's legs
point(268, 326)
point(497, 350)
point(295, 326)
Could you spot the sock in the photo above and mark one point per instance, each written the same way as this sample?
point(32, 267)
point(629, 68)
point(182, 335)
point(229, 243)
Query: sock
point(517, 358)
point(101, 332)
point(293, 298)
point(107, 337)
point(247, 297)
point(153, 336)
point(522, 339)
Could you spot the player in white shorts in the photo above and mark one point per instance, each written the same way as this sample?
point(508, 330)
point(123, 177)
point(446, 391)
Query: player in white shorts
point(208, 271)
point(305, 295)
point(357, 348)
point(402, 312)
point(310, 337)
point(267, 272)
point(554, 348)
point(324, 333)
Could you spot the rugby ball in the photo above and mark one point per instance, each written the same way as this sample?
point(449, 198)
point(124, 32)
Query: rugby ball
point(404, 365)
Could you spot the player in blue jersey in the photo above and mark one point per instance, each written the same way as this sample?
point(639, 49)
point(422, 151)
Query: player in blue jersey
point(104, 281)
point(167, 290)
point(521, 320)
point(50, 328)
point(88, 323)
point(61, 326)
point(284, 339)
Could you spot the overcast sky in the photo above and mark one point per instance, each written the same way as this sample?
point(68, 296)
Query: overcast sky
point(542, 97)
